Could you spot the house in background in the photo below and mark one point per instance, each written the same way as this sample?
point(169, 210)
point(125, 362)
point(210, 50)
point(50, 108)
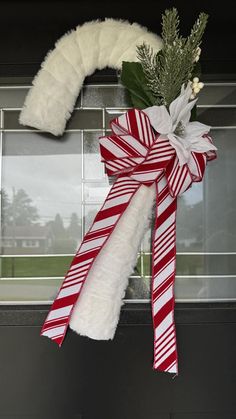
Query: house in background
point(26, 239)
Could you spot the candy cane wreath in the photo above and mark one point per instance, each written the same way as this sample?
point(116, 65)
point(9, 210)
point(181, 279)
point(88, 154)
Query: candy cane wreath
point(155, 154)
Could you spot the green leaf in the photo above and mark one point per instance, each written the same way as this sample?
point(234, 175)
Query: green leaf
point(133, 78)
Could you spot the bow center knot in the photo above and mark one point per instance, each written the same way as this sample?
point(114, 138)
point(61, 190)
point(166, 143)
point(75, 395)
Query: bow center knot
point(180, 129)
point(137, 150)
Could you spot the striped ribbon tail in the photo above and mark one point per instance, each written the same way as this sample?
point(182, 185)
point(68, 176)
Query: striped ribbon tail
point(163, 276)
point(57, 321)
point(138, 155)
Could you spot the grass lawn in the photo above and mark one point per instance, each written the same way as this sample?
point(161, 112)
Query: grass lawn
point(35, 266)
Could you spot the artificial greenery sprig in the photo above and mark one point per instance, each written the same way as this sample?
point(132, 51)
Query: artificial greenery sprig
point(173, 65)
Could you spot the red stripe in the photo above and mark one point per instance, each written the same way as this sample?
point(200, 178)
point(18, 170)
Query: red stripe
point(124, 146)
point(64, 301)
point(168, 361)
point(163, 312)
point(109, 212)
point(106, 154)
point(163, 286)
point(97, 233)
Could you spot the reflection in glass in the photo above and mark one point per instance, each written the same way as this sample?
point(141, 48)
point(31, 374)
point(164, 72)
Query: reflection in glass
point(93, 167)
point(138, 288)
point(96, 192)
point(29, 290)
point(90, 212)
point(220, 195)
point(34, 267)
point(106, 96)
point(41, 202)
point(189, 233)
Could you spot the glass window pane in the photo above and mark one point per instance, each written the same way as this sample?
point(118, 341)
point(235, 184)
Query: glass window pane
point(53, 187)
point(220, 195)
point(93, 167)
point(42, 194)
point(105, 96)
point(218, 94)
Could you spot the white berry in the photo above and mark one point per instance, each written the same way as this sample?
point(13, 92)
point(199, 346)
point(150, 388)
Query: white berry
point(195, 80)
point(200, 85)
point(196, 90)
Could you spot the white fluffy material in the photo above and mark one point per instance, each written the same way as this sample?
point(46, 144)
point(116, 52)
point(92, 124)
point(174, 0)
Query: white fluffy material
point(96, 313)
point(94, 45)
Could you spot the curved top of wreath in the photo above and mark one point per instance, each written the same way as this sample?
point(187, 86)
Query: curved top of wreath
point(94, 45)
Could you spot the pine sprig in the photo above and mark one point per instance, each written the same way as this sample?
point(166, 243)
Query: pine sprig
point(148, 60)
point(173, 66)
point(170, 26)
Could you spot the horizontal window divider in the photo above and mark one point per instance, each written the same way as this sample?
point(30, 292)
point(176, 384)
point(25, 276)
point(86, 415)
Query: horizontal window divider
point(205, 276)
point(10, 87)
point(107, 85)
point(216, 106)
point(224, 127)
point(115, 108)
point(92, 202)
point(143, 253)
point(215, 84)
point(188, 276)
point(198, 253)
point(181, 300)
point(206, 253)
point(11, 109)
point(131, 277)
point(79, 108)
point(104, 85)
point(28, 86)
point(3, 130)
point(96, 181)
point(204, 300)
point(38, 255)
point(35, 278)
point(46, 132)
point(126, 302)
point(25, 302)
point(30, 278)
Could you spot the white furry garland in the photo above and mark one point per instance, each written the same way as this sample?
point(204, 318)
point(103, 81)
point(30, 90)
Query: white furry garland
point(94, 45)
point(96, 313)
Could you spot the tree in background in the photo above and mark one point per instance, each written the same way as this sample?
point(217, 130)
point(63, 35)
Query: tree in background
point(19, 211)
point(74, 228)
point(5, 210)
point(64, 240)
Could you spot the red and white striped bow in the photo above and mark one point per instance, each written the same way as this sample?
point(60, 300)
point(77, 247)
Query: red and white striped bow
point(136, 155)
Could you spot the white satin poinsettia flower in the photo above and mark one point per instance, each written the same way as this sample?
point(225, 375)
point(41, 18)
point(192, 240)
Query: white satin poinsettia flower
point(184, 136)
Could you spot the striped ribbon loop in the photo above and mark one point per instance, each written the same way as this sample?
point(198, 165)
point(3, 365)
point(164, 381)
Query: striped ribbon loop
point(136, 155)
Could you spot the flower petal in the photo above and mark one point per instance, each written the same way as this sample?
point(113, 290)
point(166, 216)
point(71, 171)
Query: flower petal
point(181, 146)
point(160, 119)
point(185, 113)
point(201, 145)
point(196, 129)
point(180, 103)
